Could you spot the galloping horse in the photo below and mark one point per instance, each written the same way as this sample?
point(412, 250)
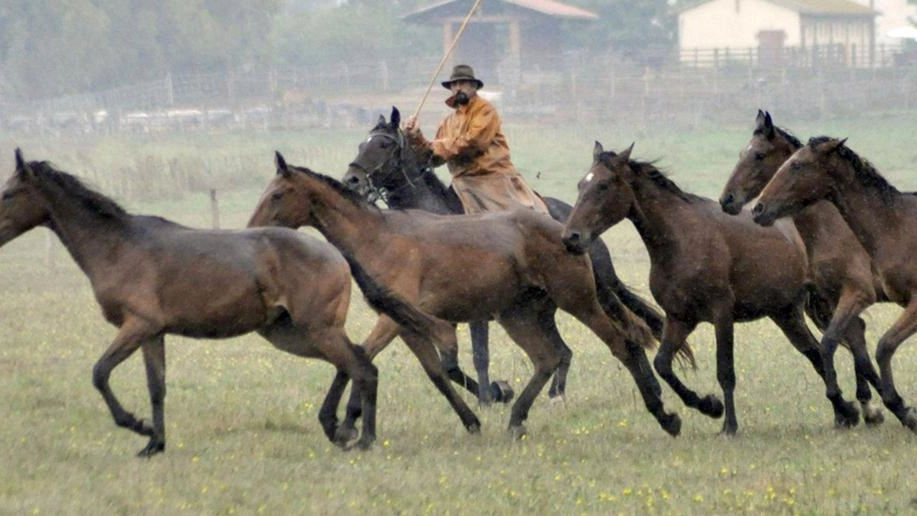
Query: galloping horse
point(883, 219)
point(153, 277)
point(704, 266)
point(839, 267)
point(387, 167)
point(508, 265)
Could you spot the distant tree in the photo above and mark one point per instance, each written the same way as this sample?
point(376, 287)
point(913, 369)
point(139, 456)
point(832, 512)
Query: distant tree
point(643, 31)
point(51, 47)
point(358, 31)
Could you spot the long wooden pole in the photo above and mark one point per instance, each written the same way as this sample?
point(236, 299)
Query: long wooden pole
point(446, 55)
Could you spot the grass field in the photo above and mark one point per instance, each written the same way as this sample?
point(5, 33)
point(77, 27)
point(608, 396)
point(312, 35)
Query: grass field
point(241, 418)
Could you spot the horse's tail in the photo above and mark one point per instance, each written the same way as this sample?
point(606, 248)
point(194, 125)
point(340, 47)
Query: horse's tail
point(625, 306)
point(391, 304)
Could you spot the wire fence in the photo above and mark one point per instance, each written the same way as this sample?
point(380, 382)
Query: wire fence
point(691, 86)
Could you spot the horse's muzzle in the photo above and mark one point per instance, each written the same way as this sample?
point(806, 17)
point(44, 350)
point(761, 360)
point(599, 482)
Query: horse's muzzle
point(575, 242)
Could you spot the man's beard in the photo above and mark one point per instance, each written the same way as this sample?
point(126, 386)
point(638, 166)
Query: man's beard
point(462, 98)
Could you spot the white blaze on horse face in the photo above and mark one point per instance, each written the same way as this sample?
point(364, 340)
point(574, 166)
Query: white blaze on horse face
point(589, 177)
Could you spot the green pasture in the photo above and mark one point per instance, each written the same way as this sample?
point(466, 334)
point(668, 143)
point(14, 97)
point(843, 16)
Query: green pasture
point(241, 417)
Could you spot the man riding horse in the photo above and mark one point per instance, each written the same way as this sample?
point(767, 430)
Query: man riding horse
point(471, 142)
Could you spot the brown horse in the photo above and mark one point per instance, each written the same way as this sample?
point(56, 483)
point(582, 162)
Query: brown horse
point(508, 265)
point(388, 168)
point(153, 277)
point(883, 219)
point(704, 266)
point(839, 268)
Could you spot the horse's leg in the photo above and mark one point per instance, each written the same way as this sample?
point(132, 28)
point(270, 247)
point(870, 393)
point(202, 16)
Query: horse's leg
point(793, 325)
point(381, 335)
point(866, 373)
point(633, 356)
point(525, 325)
point(846, 324)
point(839, 320)
point(448, 351)
point(725, 369)
point(558, 389)
point(674, 337)
point(154, 359)
point(327, 415)
point(132, 334)
point(904, 327)
point(329, 342)
point(481, 355)
point(351, 361)
point(497, 391)
point(426, 353)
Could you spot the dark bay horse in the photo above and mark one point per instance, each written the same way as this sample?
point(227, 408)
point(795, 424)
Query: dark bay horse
point(839, 267)
point(883, 219)
point(509, 265)
point(386, 166)
point(153, 277)
point(705, 265)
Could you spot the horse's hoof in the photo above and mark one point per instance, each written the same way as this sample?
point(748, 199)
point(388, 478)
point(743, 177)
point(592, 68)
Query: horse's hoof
point(502, 392)
point(728, 431)
point(671, 423)
point(872, 415)
point(517, 432)
point(365, 443)
point(474, 427)
point(711, 406)
point(152, 448)
point(910, 419)
point(344, 436)
point(847, 416)
point(559, 401)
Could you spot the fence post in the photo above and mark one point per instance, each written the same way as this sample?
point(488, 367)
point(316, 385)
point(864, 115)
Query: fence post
point(214, 209)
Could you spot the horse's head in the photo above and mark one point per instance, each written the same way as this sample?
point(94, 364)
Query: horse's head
point(379, 158)
point(806, 177)
point(758, 162)
point(21, 205)
point(605, 198)
point(283, 203)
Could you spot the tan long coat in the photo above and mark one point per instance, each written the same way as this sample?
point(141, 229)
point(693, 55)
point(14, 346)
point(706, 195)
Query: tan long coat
point(471, 142)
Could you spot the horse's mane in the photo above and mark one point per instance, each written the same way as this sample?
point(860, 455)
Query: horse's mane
point(863, 170)
point(794, 141)
point(649, 170)
point(75, 189)
point(337, 186)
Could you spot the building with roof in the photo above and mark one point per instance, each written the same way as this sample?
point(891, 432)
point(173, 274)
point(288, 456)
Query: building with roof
point(845, 26)
point(503, 34)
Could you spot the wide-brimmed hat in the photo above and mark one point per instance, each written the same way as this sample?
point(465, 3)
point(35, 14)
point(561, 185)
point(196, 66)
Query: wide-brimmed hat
point(462, 72)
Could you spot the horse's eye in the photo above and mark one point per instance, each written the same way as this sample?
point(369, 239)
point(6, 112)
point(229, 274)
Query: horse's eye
point(9, 194)
point(602, 187)
point(759, 156)
point(277, 196)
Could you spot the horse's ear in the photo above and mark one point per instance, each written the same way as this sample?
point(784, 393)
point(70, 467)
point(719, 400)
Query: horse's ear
point(20, 163)
point(837, 144)
point(597, 151)
point(281, 164)
point(21, 166)
point(625, 155)
point(381, 122)
point(395, 119)
point(764, 125)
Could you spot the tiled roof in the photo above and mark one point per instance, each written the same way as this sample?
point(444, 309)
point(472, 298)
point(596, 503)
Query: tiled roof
point(548, 7)
point(815, 7)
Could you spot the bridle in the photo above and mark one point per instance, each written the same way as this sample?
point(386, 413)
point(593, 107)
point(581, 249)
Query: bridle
point(394, 159)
